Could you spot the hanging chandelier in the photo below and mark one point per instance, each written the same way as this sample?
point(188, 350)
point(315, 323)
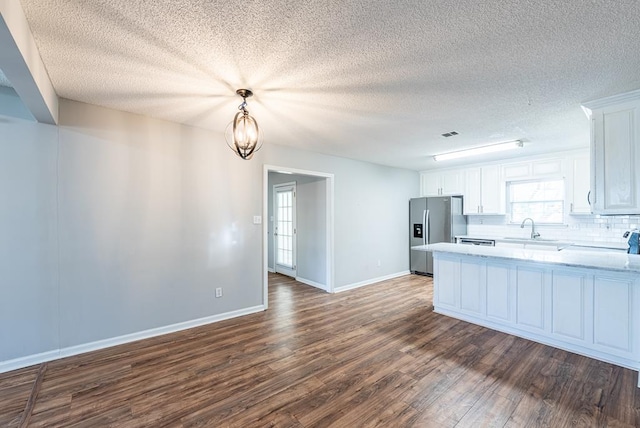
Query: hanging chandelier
point(242, 134)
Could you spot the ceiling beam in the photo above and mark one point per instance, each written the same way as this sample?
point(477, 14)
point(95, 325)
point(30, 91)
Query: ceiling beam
point(21, 63)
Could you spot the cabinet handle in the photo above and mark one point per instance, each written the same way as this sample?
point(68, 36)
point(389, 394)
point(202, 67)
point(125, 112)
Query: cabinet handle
point(571, 209)
point(589, 198)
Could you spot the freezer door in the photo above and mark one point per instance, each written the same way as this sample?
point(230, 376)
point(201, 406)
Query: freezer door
point(438, 226)
point(439, 219)
point(417, 234)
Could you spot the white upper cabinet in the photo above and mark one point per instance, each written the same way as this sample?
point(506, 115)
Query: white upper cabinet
point(534, 169)
point(580, 190)
point(484, 191)
point(438, 183)
point(615, 154)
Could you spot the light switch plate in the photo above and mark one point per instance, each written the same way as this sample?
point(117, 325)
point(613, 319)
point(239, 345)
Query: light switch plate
point(257, 219)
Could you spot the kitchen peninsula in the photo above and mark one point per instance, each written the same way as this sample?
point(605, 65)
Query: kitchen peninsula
point(587, 303)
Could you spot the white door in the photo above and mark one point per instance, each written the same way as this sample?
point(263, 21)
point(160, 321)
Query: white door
point(284, 230)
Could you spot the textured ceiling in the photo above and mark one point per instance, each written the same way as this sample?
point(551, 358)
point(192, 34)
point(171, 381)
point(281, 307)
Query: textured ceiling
point(372, 80)
point(3, 80)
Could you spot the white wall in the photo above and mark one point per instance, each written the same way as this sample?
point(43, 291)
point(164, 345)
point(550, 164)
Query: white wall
point(113, 223)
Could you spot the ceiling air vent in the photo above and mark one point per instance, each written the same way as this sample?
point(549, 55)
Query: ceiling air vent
point(450, 134)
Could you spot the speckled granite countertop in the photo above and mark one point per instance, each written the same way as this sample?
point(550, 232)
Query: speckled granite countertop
point(613, 261)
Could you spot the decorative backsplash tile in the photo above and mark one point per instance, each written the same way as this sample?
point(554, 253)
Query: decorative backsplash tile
point(587, 228)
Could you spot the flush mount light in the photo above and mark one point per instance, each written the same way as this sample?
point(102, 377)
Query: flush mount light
point(491, 148)
point(242, 134)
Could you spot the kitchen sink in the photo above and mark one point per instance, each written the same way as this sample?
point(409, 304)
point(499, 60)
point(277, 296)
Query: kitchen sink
point(535, 243)
point(530, 240)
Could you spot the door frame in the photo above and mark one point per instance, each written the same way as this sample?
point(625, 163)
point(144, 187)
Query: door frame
point(329, 202)
point(294, 268)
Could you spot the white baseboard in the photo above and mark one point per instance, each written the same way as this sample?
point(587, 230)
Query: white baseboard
point(30, 360)
point(369, 281)
point(311, 283)
point(272, 270)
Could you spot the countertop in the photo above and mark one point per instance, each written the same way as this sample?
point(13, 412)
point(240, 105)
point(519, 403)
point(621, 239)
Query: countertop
point(613, 261)
point(587, 244)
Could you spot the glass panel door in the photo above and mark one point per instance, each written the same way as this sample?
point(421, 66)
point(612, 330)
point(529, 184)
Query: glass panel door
point(285, 228)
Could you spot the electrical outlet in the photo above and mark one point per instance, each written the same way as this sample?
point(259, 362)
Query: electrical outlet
point(219, 292)
point(379, 264)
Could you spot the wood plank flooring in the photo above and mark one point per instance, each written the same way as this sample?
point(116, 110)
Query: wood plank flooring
point(374, 356)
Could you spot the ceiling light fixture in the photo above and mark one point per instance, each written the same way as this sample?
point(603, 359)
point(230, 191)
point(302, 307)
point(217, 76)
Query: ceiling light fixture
point(479, 150)
point(242, 134)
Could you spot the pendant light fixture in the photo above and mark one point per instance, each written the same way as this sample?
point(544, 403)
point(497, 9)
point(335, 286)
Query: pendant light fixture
point(242, 134)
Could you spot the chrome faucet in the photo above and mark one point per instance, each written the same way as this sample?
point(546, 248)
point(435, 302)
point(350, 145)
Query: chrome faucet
point(534, 234)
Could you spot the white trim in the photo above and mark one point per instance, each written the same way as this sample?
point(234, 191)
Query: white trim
point(311, 283)
point(270, 269)
point(370, 281)
point(330, 194)
point(30, 360)
point(612, 100)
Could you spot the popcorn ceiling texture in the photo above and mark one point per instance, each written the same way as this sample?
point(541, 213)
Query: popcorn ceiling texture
point(374, 80)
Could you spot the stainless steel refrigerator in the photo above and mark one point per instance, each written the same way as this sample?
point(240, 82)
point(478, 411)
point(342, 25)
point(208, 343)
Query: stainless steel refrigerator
point(432, 220)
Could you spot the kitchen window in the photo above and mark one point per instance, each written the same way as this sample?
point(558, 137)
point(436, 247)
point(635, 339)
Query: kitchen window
point(542, 200)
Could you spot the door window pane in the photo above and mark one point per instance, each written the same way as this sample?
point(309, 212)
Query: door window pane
point(284, 225)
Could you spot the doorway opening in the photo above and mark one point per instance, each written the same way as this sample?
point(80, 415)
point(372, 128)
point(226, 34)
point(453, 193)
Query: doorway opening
point(298, 237)
point(284, 228)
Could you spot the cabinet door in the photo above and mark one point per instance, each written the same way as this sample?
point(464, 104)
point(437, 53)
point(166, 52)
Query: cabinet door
point(571, 301)
point(530, 299)
point(430, 184)
point(616, 158)
point(581, 186)
point(452, 182)
point(499, 294)
point(492, 190)
point(472, 287)
point(613, 323)
point(472, 192)
point(447, 282)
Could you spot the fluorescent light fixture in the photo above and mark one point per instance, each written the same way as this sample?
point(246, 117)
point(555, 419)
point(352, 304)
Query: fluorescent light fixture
point(491, 148)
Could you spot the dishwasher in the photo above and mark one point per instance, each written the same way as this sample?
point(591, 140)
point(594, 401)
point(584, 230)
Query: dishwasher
point(476, 241)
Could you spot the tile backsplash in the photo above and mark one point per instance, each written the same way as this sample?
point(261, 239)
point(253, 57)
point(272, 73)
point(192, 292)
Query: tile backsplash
point(584, 228)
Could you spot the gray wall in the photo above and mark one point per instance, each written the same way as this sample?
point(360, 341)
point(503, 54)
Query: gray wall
point(371, 212)
point(113, 223)
point(11, 105)
point(311, 219)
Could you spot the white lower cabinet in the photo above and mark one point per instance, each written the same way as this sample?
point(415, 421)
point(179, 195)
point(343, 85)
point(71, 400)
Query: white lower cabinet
point(530, 298)
point(446, 293)
point(613, 315)
point(587, 311)
point(471, 288)
point(499, 294)
point(571, 294)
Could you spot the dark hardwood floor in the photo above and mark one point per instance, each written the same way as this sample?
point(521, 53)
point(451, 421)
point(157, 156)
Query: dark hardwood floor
point(375, 356)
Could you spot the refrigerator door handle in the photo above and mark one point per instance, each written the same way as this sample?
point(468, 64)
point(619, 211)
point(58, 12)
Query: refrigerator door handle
point(425, 228)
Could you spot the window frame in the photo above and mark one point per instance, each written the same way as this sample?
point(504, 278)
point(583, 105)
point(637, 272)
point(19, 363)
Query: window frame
point(562, 200)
